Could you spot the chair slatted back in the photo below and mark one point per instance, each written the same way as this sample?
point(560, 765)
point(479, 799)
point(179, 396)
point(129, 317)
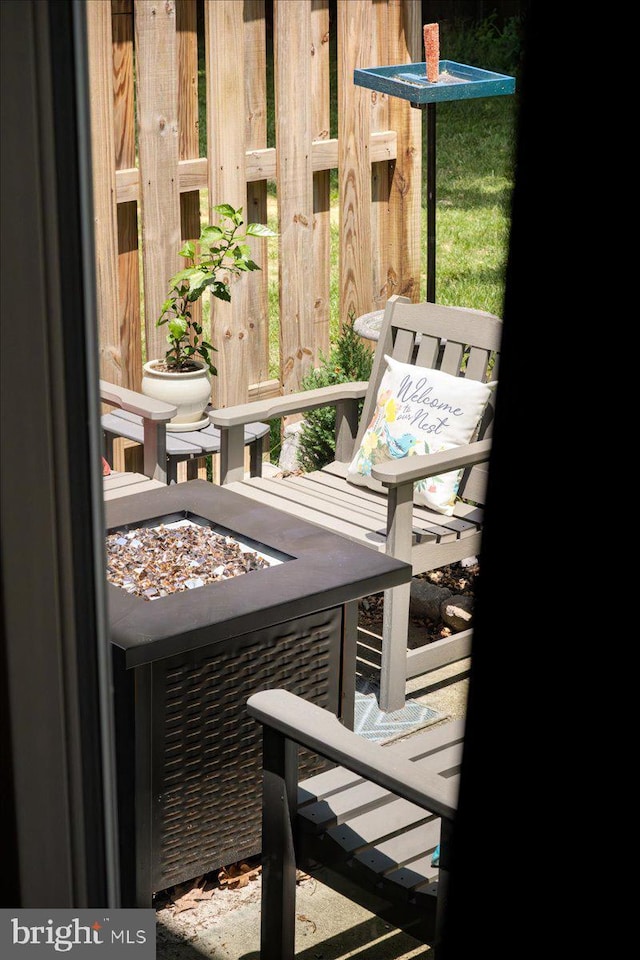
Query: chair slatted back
point(457, 341)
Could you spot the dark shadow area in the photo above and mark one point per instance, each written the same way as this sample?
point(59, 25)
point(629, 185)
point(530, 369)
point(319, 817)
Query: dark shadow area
point(439, 684)
point(504, 773)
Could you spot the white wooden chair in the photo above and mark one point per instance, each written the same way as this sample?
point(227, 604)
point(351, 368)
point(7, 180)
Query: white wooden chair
point(155, 416)
point(457, 341)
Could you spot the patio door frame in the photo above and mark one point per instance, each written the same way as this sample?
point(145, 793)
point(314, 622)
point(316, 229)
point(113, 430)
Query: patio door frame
point(59, 824)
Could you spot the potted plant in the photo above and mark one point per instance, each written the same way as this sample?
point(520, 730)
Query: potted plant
point(182, 377)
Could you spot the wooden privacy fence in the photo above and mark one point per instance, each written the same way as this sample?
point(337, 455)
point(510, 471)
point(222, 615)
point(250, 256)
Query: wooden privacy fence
point(143, 60)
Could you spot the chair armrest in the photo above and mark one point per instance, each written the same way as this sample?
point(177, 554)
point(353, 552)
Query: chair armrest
point(155, 416)
point(319, 730)
point(137, 403)
point(394, 473)
point(231, 420)
point(291, 403)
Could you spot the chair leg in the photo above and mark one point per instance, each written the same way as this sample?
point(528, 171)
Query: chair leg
point(155, 449)
point(231, 454)
point(108, 447)
point(279, 802)
point(446, 828)
point(255, 457)
point(395, 624)
point(393, 669)
point(349, 661)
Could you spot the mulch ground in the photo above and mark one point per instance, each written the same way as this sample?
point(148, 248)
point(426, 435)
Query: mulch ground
point(422, 630)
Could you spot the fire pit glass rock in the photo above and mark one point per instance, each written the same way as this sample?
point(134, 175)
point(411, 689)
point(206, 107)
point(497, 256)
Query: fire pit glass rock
point(154, 561)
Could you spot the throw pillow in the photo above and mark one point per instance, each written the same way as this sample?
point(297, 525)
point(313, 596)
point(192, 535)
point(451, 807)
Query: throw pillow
point(419, 410)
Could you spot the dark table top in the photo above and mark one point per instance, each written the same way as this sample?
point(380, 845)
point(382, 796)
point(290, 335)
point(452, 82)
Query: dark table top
point(326, 570)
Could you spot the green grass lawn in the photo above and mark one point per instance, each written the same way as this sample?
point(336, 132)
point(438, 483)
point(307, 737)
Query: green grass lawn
point(473, 201)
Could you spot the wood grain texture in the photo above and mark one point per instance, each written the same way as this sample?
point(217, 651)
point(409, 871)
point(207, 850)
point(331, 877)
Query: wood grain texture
point(123, 83)
point(157, 89)
point(320, 130)
point(125, 157)
point(104, 190)
point(126, 484)
point(227, 184)
point(129, 295)
point(255, 95)
point(354, 165)
point(405, 258)
point(380, 173)
point(292, 28)
point(187, 50)
point(259, 164)
point(188, 140)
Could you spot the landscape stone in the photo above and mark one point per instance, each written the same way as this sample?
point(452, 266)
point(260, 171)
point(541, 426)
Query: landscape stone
point(427, 598)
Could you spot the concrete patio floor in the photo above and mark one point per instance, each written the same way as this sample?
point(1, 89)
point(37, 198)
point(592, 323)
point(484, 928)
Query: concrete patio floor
point(329, 925)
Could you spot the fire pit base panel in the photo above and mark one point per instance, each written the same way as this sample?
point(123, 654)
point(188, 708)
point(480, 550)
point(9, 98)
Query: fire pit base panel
point(190, 756)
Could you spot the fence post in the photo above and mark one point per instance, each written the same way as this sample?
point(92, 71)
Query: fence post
point(104, 190)
point(320, 130)
point(227, 184)
point(354, 167)
point(125, 158)
point(255, 92)
point(157, 86)
point(404, 268)
point(292, 34)
point(380, 171)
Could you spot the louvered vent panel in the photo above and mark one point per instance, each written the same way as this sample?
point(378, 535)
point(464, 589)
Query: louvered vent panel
point(207, 751)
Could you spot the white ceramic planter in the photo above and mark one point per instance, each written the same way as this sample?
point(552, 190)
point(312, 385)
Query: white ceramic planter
point(190, 392)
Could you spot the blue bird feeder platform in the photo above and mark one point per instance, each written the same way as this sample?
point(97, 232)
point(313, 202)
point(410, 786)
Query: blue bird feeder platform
point(456, 81)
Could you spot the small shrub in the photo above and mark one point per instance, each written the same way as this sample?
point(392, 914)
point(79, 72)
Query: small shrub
point(349, 360)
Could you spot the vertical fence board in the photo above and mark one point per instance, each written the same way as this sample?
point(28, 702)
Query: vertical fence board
point(227, 184)
point(354, 170)
point(157, 86)
point(255, 93)
point(379, 170)
point(320, 130)
point(187, 50)
point(104, 189)
point(188, 148)
point(292, 28)
point(405, 46)
point(188, 142)
point(125, 156)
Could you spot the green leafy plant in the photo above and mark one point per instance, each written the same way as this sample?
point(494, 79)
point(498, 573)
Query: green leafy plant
point(349, 361)
point(220, 254)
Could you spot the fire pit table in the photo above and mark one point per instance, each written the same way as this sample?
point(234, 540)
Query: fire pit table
point(184, 664)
